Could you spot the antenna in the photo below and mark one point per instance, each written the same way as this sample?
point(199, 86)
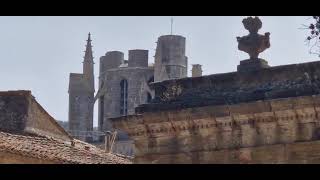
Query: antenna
point(171, 25)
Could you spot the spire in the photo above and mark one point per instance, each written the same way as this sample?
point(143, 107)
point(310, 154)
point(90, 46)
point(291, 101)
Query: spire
point(89, 37)
point(88, 65)
point(88, 53)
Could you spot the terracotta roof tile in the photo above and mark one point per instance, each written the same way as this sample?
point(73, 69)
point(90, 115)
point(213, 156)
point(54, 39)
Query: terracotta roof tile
point(56, 150)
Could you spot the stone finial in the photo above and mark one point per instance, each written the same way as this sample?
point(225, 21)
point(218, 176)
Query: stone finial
point(254, 43)
point(253, 25)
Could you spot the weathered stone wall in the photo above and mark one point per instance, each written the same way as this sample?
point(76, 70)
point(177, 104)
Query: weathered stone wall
point(111, 60)
point(40, 122)
point(81, 112)
point(13, 111)
point(203, 133)
point(138, 88)
point(170, 58)
point(124, 147)
point(295, 153)
point(236, 87)
point(20, 113)
point(81, 101)
point(138, 58)
point(10, 158)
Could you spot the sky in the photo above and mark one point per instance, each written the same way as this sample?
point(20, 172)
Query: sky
point(37, 53)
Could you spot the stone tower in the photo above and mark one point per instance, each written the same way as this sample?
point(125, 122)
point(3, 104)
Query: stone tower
point(81, 97)
point(196, 70)
point(170, 59)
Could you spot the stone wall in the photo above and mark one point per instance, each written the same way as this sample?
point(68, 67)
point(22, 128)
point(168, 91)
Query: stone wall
point(13, 111)
point(20, 113)
point(81, 112)
point(124, 148)
point(295, 153)
point(170, 58)
point(138, 88)
point(236, 87)
point(204, 133)
point(40, 122)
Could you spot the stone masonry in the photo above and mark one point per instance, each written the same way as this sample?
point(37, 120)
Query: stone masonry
point(198, 135)
point(170, 63)
point(21, 114)
point(81, 97)
point(259, 114)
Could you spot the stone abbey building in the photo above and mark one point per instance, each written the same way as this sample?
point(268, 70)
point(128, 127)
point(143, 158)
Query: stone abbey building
point(258, 114)
point(123, 84)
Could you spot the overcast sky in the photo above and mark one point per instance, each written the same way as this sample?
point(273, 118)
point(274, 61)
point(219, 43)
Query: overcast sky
point(38, 53)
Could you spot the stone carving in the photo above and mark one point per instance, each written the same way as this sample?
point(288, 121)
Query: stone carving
point(254, 43)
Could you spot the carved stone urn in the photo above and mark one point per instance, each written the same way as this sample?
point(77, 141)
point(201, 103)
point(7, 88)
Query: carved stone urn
point(253, 44)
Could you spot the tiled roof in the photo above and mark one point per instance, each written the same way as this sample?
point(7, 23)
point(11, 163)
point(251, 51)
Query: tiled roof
point(47, 148)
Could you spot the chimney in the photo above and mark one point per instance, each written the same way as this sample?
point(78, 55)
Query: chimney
point(196, 70)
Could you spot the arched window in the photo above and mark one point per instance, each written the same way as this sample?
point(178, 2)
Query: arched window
point(124, 97)
point(149, 98)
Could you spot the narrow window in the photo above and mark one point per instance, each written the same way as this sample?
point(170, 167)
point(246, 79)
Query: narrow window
point(124, 97)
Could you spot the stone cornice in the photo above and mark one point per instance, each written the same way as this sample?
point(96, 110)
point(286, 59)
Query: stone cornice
point(165, 123)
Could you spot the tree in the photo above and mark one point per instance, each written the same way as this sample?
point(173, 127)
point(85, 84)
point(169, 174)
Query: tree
point(313, 38)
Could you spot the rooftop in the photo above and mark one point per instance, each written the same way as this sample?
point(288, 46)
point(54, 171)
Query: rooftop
point(52, 149)
point(26, 129)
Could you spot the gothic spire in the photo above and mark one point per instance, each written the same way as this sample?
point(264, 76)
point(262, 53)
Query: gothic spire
point(88, 53)
point(88, 65)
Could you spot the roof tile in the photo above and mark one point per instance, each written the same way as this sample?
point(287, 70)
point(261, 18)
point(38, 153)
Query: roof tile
point(56, 150)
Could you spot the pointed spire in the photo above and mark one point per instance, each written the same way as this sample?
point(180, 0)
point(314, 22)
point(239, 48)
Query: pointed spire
point(88, 53)
point(89, 37)
point(88, 65)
